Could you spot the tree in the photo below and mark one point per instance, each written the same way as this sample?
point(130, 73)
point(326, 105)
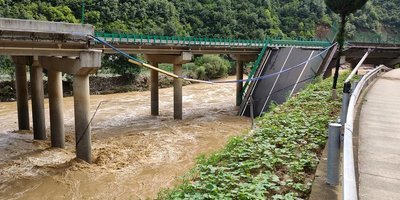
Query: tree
point(118, 65)
point(7, 67)
point(343, 8)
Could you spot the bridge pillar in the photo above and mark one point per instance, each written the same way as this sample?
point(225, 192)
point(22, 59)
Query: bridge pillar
point(88, 62)
point(154, 90)
point(21, 85)
point(177, 60)
point(239, 85)
point(240, 61)
point(39, 126)
point(82, 119)
point(178, 92)
point(56, 109)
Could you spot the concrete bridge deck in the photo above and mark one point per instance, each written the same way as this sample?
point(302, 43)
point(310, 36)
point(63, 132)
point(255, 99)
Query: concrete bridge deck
point(379, 140)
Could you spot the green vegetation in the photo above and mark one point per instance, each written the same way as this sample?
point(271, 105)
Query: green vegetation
point(6, 67)
point(119, 65)
point(39, 10)
point(209, 67)
point(275, 161)
point(247, 19)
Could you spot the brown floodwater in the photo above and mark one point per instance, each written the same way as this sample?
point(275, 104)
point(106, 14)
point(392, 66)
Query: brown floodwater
point(135, 155)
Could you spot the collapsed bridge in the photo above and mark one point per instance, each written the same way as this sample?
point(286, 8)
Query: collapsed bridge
point(66, 48)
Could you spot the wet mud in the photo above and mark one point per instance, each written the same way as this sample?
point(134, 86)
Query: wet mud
point(134, 154)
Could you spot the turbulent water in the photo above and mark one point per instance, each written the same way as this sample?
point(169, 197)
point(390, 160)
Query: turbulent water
point(135, 154)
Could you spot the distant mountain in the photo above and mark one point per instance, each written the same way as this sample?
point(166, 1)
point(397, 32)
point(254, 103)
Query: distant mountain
point(245, 19)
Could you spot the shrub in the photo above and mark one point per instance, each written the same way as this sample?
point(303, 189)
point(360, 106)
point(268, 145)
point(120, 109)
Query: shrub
point(7, 67)
point(211, 67)
point(119, 65)
point(201, 73)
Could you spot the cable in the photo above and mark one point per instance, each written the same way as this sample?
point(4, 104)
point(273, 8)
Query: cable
point(90, 122)
point(117, 50)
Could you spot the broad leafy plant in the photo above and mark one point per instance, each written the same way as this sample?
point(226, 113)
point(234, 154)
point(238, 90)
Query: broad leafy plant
point(276, 161)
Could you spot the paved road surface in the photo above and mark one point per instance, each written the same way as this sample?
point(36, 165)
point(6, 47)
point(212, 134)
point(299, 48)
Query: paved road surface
point(379, 140)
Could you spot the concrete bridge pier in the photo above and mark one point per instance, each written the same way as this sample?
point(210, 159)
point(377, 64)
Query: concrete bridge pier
point(21, 85)
point(239, 85)
point(154, 90)
point(240, 63)
point(178, 92)
point(88, 62)
point(82, 118)
point(37, 94)
point(56, 104)
point(177, 60)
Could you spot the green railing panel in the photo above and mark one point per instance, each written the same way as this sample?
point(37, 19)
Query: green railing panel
point(367, 37)
point(154, 39)
point(254, 69)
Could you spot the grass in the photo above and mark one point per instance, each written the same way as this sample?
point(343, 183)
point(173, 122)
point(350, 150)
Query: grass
point(276, 161)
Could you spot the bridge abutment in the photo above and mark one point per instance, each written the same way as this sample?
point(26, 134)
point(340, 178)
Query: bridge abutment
point(21, 85)
point(37, 94)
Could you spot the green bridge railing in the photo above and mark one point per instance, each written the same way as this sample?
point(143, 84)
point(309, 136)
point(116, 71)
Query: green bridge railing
point(374, 38)
point(161, 40)
point(254, 69)
point(365, 37)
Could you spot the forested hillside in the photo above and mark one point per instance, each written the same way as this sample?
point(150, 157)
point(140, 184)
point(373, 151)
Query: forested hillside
point(245, 19)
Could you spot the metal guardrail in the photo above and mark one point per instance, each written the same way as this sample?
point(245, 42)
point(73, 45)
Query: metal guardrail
point(175, 40)
point(350, 99)
point(349, 176)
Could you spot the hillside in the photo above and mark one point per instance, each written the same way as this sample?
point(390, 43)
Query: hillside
point(246, 19)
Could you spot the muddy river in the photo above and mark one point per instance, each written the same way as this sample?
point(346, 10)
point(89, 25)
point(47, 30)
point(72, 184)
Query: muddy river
point(135, 154)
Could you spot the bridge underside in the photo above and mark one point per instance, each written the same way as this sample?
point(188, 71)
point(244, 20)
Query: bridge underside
point(388, 56)
point(178, 49)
